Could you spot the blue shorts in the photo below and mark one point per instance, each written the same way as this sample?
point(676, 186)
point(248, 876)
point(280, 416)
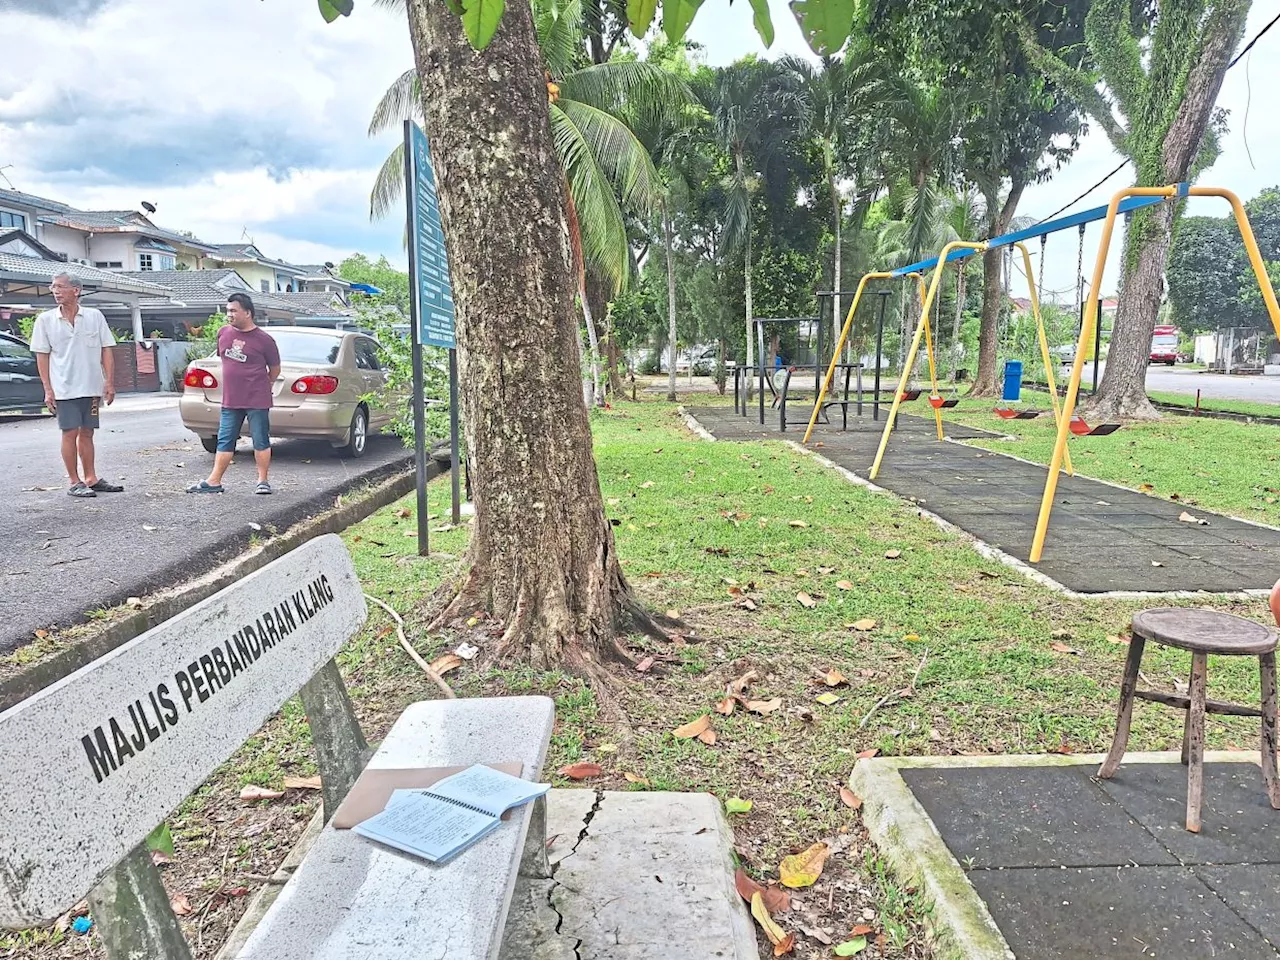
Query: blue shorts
point(233, 419)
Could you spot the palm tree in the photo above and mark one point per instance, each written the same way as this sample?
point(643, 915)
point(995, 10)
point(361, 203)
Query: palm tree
point(608, 172)
point(833, 94)
point(753, 106)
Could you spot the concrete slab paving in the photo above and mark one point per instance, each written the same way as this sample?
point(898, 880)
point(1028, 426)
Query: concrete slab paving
point(636, 876)
point(1253, 894)
point(996, 498)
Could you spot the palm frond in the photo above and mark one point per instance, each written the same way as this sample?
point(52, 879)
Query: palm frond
point(402, 101)
point(559, 27)
point(388, 186)
point(600, 219)
point(617, 152)
point(737, 210)
point(643, 93)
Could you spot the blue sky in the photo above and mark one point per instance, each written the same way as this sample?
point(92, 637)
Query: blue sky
point(247, 118)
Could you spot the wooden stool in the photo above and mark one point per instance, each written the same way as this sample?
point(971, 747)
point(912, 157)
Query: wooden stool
point(1202, 632)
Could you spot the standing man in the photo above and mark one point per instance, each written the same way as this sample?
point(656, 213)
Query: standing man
point(250, 365)
point(73, 345)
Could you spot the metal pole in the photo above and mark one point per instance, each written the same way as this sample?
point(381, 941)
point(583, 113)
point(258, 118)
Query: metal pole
point(1097, 345)
point(760, 364)
point(875, 401)
point(415, 310)
point(455, 469)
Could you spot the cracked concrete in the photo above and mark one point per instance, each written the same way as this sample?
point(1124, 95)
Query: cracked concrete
point(647, 876)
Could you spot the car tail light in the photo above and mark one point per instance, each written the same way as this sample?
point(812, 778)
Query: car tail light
point(201, 379)
point(316, 385)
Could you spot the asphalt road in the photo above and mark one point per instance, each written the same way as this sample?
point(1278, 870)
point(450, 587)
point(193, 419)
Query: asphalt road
point(61, 558)
point(1258, 389)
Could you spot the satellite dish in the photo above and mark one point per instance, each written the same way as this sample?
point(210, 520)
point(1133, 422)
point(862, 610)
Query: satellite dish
point(149, 207)
point(328, 265)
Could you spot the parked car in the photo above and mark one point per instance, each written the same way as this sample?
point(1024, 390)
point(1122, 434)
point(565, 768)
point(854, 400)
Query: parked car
point(1066, 353)
point(327, 379)
point(20, 388)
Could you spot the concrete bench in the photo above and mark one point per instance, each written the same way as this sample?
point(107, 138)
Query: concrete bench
point(91, 765)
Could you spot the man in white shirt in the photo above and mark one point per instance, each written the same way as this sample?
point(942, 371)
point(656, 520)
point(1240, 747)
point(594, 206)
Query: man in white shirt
point(72, 345)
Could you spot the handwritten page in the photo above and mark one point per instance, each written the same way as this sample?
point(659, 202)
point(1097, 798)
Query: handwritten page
point(426, 826)
point(491, 790)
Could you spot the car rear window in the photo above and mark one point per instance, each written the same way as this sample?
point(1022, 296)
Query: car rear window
point(306, 347)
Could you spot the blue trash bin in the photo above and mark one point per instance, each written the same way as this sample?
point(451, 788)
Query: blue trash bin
point(1012, 379)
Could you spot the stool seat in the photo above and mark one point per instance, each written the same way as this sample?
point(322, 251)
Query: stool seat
point(1204, 631)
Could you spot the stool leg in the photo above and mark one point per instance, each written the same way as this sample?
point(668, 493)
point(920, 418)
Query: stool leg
point(1195, 740)
point(1125, 714)
point(1267, 666)
point(1186, 729)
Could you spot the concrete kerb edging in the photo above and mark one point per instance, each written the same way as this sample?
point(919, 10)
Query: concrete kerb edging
point(692, 423)
point(958, 921)
point(266, 896)
point(166, 604)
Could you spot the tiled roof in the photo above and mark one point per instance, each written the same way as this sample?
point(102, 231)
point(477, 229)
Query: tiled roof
point(19, 198)
point(312, 303)
point(191, 286)
point(18, 268)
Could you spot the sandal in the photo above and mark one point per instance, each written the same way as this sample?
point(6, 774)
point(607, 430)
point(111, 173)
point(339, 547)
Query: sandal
point(103, 486)
point(204, 486)
point(80, 491)
point(263, 487)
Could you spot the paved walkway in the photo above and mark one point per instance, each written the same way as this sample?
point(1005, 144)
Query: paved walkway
point(1072, 867)
point(1101, 538)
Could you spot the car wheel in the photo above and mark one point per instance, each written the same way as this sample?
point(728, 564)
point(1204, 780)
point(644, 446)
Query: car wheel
point(358, 435)
point(210, 444)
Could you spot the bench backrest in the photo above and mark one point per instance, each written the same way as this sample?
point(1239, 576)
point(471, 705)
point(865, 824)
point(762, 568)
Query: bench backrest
point(92, 764)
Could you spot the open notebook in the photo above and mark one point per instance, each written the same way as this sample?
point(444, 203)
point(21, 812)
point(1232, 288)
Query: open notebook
point(439, 822)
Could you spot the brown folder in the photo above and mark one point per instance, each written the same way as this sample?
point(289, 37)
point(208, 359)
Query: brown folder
point(369, 794)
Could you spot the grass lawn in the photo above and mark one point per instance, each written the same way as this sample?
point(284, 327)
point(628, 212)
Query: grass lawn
point(1248, 407)
point(1216, 464)
point(701, 527)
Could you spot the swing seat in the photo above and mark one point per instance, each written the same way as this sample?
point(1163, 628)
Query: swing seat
point(1082, 429)
point(909, 395)
point(942, 403)
point(1008, 413)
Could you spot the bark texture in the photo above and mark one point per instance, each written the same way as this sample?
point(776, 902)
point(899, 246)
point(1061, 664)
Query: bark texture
point(986, 382)
point(671, 305)
point(542, 556)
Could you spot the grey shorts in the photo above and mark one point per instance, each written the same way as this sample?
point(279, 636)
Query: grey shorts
point(78, 413)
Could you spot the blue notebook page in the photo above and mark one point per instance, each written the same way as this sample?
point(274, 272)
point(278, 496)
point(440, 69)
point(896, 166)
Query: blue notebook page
point(426, 826)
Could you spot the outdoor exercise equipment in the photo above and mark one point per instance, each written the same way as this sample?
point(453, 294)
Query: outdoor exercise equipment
point(844, 336)
point(1122, 202)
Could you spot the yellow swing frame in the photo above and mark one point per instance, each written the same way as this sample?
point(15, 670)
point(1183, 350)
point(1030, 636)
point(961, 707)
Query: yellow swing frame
point(1170, 191)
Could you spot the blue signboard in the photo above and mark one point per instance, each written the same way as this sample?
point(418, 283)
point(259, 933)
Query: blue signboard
point(434, 293)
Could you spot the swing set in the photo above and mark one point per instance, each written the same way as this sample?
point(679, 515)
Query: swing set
point(1068, 422)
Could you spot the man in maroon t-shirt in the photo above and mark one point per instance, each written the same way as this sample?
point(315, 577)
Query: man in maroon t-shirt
point(250, 365)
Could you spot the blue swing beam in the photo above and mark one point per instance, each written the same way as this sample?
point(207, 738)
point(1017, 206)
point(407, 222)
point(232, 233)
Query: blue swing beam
point(1039, 230)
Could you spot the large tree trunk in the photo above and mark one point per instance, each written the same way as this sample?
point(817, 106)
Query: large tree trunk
point(542, 558)
point(837, 319)
point(671, 305)
point(1122, 394)
point(987, 381)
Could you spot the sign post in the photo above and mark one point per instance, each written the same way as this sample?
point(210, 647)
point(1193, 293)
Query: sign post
point(431, 310)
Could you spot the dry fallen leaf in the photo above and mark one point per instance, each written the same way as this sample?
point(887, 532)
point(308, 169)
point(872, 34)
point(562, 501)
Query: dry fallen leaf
point(443, 664)
point(776, 900)
point(892, 554)
point(181, 905)
point(803, 869)
point(798, 523)
point(737, 687)
point(805, 600)
point(850, 799)
point(644, 665)
point(1156, 563)
point(252, 792)
point(844, 584)
point(746, 603)
point(581, 770)
point(868, 754)
point(646, 485)
point(708, 736)
point(403, 513)
point(725, 706)
point(1057, 647)
point(827, 698)
point(302, 783)
point(826, 570)
point(864, 625)
point(1188, 518)
point(835, 678)
point(781, 940)
point(693, 728)
point(1145, 487)
point(861, 930)
point(1121, 641)
point(764, 707)
point(633, 778)
point(911, 637)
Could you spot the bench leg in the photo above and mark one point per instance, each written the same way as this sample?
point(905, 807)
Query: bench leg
point(1195, 745)
point(533, 861)
point(1124, 716)
point(132, 912)
point(341, 749)
point(1267, 666)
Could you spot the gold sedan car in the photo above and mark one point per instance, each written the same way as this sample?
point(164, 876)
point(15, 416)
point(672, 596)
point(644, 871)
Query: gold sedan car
point(324, 391)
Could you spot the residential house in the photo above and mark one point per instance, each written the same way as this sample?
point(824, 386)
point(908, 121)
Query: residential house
point(104, 239)
point(320, 277)
point(261, 272)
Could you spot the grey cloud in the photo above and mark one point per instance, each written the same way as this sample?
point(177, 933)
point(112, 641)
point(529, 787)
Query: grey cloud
point(54, 9)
